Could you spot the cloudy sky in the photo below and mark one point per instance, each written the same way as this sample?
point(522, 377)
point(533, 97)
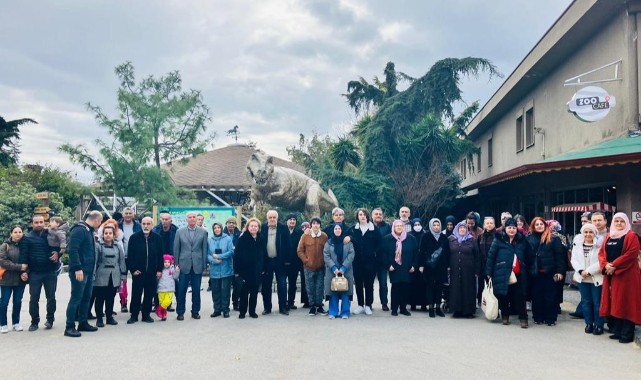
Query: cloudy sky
point(275, 68)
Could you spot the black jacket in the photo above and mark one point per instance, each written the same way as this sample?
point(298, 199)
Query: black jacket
point(485, 242)
point(283, 243)
point(82, 248)
point(409, 258)
point(428, 245)
point(384, 229)
point(500, 260)
point(248, 258)
point(550, 257)
point(294, 238)
point(145, 254)
point(366, 246)
point(36, 252)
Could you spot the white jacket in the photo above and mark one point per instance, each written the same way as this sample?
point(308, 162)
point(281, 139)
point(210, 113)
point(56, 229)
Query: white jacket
point(578, 261)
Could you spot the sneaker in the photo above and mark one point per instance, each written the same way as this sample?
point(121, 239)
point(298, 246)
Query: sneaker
point(331, 317)
point(359, 310)
point(33, 327)
point(385, 308)
point(368, 310)
point(17, 327)
point(48, 325)
point(312, 310)
point(123, 309)
point(320, 310)
point(4, 329)
point(345, 317)
point(87, 327)
point(72, 332)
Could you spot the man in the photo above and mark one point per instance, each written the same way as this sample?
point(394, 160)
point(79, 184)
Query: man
point(404, 215)
point(338, 217)
point(485, 242)
point(295, 267)
point(383, 267)
point(276, 239)
point(234, 233)
point(128, 226)
point(144, 261)
point(190, 257)
point(200, 221)
point(42, 262)
point(601, 223)
point(82, 269)
point(505, 215)
point(310, 251)
point(167, 231)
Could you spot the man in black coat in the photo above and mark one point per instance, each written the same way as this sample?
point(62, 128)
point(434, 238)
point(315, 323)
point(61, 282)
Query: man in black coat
point(295, 267)
point(82, 268)
point(144, 261)
point(275, 237)
point(385, 229)
point(41, 261)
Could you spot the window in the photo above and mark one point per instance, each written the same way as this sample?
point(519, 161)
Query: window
point(464, 168)
point(529, 128)
point(519, 134)
point(489, 153)
point(478, 161)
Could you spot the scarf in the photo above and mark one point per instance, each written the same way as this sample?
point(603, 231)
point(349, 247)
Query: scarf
point(399, 241)
point(337, 241)
point(435, 234)
point(462, 238)
point(614, 233)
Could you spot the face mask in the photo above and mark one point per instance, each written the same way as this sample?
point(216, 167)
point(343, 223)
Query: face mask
point(418, 228)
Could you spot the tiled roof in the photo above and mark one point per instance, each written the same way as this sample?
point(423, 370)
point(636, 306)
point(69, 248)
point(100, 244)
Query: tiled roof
point(220, 169)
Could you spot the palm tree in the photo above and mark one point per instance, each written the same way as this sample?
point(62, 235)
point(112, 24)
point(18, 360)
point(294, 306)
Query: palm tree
point(343, 155)
point(9, 136)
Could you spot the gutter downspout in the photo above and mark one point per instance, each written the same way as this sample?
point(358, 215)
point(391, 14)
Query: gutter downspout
point(634, 19)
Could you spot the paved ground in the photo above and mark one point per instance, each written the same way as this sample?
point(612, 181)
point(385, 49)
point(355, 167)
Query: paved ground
point(300, 346)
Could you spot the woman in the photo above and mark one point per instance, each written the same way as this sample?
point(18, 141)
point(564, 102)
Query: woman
point(587, 273)
point(621, 296)
point(465, 261)
point(416, 296)
point(507, 262)
point(547, 270)
point(366, 239)
point(338, 261)
point(521, 224)
point(110, 270)
point(13, 281)
point(118, 240)
point(221, 269)
point(248, 265)
point(473, 219)
point(402, 253)
point(433, 265)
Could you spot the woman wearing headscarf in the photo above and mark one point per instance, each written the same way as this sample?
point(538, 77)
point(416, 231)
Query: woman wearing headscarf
point(587, 273)
point(417, 286)
point(338, 257)
point(433, 265)
point(507, 262)
point(465, 261)
point(450, 222)
point(367, 240)
point(547, 270)
point(621, 295)
point(402, 253)
point(220, 256)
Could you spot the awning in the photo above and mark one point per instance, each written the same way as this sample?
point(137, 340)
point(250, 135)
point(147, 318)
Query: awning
point(583, 207)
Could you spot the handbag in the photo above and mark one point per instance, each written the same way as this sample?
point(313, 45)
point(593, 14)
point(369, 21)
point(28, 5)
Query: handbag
point(434, 257)
point(512, 279)
point(489, 303)
point(339, 283)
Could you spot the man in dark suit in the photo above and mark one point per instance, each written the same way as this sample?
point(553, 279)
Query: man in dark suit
point(295, 267)
point(190, 256)
point(277, 241)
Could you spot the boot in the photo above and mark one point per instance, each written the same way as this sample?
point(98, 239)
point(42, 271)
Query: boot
point(432, 313)
point(438, 311)
point(524, 324)
point(99, 322)
point(506, 319)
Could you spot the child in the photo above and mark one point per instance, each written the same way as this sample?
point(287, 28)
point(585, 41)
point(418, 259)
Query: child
point(57, 238)
point(166, 286)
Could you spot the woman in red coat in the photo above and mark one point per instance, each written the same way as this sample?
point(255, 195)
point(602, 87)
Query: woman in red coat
point(621, 297)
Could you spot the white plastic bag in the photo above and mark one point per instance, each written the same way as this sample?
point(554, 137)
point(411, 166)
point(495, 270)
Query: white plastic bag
point(489, 304)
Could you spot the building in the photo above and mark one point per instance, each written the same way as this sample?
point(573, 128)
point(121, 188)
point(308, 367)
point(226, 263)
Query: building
point(220, 174)
point(537, 158)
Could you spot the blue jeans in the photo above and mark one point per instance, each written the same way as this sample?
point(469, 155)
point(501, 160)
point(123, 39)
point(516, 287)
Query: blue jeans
point(382, 284)
point(79, 301)
point(591, 302)
point(5, 294)
point(273, 267)
point(181, 296)
point(333, 304)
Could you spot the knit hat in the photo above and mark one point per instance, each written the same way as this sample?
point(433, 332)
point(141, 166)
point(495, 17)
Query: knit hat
point(305, 225)
point(291, 215)
point(510, 222)
point(231, 220)
point(169, 258)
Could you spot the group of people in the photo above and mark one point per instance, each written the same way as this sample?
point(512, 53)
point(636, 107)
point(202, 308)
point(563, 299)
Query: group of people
point(443, 266)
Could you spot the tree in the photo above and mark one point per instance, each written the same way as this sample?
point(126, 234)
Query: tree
point(344, 155)
point(157, 122)
point(9, 136)
point(17, 202)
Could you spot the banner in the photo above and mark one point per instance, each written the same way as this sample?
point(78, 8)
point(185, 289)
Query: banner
point(211, 215)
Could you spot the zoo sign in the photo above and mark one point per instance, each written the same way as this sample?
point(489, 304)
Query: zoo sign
point(591, 104)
